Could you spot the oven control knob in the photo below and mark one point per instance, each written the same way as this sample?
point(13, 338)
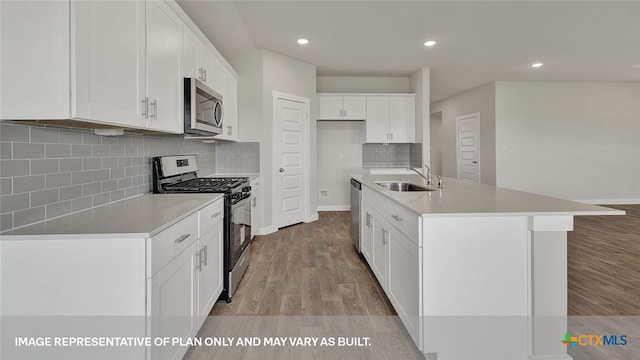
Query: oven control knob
point(235, 196)
point(246, 189)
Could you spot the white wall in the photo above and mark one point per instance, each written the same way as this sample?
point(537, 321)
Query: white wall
point(362, 84)
point(435, 124)
point(419, 83)
point(482, 100)
point(345, 137)
point(261, 73)
point(577, 141)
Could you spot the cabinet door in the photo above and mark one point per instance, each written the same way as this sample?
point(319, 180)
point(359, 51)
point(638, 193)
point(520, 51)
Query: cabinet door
point(230, 118)
point(216, 75)
point(403, 280)
point(34, 67)
point(355, 107)
point(108, 69)
point(210, 273)
point(190, 44)
point(377, 124)
point(402, 119)
point(172, 304)
point(330, 107)
point(380, 240)
point(164, 48)
point(367, 233)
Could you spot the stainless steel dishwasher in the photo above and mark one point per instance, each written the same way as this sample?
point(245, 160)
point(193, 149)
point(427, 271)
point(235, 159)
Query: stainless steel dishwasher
point(355, 213)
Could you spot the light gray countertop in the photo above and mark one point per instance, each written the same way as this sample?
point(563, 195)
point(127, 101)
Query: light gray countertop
point(458, 198)
point(140, 216)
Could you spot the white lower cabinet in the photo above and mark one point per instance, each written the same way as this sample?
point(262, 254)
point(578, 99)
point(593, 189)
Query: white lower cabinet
point(172, 303)
point(390, 246)
point(403, 280)
point(209, 272)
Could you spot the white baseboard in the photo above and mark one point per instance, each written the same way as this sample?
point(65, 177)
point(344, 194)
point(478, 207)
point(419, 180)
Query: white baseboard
point(610, 201)
point(334, 208)
point(266, 230)
point(313, 217)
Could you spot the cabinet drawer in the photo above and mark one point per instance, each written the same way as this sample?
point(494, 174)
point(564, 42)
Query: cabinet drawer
point(374, 199)
point(403, 219)
point(171, 242)
point(210, 216)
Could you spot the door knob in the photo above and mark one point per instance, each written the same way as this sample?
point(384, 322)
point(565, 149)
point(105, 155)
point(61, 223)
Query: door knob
point(281, 170)
point(475, 162)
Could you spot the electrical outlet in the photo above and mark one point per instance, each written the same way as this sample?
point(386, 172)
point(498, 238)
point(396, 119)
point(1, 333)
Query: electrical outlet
point(324, 193)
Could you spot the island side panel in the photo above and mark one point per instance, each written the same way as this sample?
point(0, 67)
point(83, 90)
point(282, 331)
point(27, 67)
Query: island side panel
point(549, 286)
point(476, 273)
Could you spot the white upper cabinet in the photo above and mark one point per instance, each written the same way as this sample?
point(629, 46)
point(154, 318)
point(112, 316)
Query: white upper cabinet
point(200, 63)
point(164, 44)
point(390, 119)
point(342, 107)
point(103, 63)
point(34, 44)
point(230, 108)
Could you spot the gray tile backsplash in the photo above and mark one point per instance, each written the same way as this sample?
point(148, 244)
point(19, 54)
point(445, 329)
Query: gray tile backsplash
point(236, 157)
point(391, 155)
point(415, 155)
point(48, 171)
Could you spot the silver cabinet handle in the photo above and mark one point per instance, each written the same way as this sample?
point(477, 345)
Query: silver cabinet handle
point(384, 236)
point(391, 136)
point(201, 71)
point(368, 221)
point(396, 217)
point(154, 105)
point(182, 238)
point(216, 215)
point(229, 130)
point(203, 256)
point(255, 202)
point(198, 262)
point(205, 74)
point(145, 107)
point(281, 170)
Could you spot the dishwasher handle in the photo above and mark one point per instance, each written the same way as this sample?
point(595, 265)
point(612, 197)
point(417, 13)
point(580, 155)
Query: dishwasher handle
point(356, 184)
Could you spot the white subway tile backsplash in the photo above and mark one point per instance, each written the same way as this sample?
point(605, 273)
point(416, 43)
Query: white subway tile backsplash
point(6, 187)
point(57, 180)
point(45, 135)
point(10, 203)
point(78, 150)
point(28, 216)
point(81, 177)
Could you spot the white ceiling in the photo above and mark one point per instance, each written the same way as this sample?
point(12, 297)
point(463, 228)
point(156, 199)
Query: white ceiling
point(478, 42)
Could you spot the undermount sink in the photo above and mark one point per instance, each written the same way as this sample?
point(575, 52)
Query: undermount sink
point(402, 186)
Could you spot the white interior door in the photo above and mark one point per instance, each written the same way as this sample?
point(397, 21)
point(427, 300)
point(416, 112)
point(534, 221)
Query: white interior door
point(468, 129)
point(291, 117)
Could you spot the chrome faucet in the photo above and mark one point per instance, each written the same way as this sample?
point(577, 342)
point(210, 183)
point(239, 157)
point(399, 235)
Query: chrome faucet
point(428, 177)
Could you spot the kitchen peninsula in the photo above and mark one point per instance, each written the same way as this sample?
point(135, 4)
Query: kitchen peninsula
point(472, 263)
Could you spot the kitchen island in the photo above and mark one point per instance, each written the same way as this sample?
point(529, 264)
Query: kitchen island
point(473, 271)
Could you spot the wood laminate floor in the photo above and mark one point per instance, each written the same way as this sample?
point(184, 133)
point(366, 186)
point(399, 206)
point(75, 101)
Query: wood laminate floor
point(307, 269)
point(604, 264)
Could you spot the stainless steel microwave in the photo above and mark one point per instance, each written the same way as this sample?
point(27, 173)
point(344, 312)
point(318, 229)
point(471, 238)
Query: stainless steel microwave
point(203, 111)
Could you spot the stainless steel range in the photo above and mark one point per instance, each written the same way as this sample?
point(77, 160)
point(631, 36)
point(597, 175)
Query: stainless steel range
point(178, 174)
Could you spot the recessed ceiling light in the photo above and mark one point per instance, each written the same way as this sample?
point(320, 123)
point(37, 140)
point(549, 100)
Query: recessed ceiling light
point(637, 66)
point(536, 65)
point(429, 43)
point(303, 41)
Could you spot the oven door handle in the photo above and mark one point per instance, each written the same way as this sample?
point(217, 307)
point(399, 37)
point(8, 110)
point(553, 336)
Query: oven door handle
point(242, 202)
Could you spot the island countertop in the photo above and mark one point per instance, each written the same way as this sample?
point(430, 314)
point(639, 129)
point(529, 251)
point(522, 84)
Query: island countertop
point(140, 216)
point(458, 198)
